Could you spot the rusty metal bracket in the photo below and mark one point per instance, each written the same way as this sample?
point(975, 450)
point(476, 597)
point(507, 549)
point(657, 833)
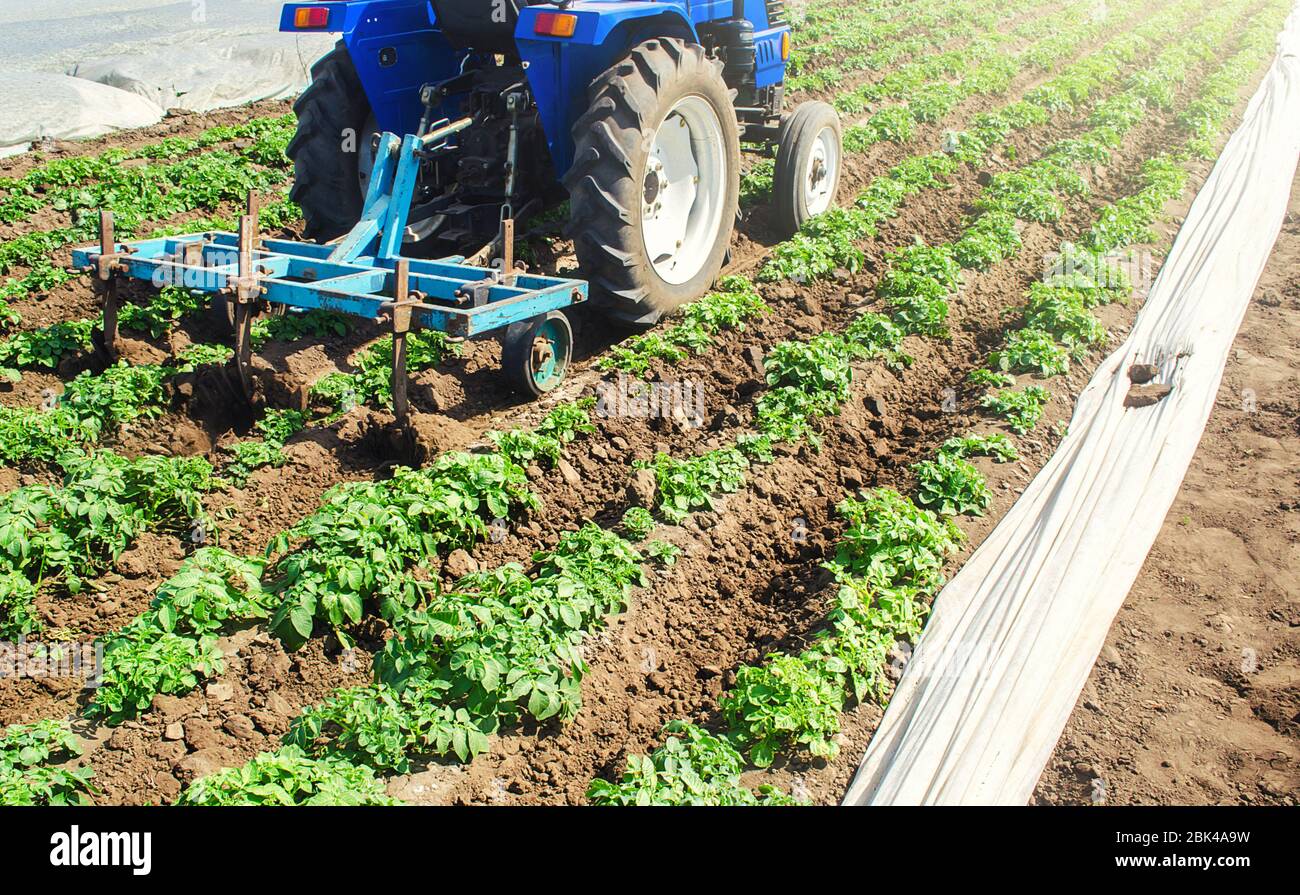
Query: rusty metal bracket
point(247, 286)
point(247, 289)
point(475, 294)
point(507, 247)
point(400, 317)
point(108, 266)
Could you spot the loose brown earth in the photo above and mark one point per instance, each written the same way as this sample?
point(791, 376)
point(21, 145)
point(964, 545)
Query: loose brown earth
point(749, 580)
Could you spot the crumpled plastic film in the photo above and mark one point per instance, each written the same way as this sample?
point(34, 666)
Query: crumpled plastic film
point(74, 69)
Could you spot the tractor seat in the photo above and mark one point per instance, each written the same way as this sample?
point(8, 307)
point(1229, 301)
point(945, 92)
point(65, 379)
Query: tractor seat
point(481, 26)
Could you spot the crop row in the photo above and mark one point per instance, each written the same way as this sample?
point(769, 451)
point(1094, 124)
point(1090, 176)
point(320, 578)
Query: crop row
point(986, 72)
point(829, 242)
point(457, 658)
point(136, 194)
point(927, 30)
point(926, 92)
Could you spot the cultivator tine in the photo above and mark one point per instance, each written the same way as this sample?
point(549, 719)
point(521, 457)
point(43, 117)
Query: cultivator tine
point(244, 347)
point(107, 266)
point(247, 290)
point(401, 326)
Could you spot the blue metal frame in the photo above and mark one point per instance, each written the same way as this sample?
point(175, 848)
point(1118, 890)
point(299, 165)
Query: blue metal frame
point(559, 69)
point(357, 275)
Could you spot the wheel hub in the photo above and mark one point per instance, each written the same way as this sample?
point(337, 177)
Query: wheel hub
point(655, 184)
point(823, 165)
point(543, 352)
point(818, 173)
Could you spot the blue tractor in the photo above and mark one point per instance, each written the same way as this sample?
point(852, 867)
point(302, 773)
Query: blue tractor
point(434, 126)
point(633, 110)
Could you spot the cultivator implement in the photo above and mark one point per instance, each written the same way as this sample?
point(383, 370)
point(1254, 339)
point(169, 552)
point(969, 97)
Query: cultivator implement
point(633, 111)
point(362, 274)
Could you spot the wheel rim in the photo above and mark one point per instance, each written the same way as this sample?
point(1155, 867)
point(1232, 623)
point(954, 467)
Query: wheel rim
point(822, 173)
point(683, 190)
point(548, 354)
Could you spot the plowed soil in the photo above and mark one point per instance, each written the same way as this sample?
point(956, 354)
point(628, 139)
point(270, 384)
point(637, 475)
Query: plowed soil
point(749, 580)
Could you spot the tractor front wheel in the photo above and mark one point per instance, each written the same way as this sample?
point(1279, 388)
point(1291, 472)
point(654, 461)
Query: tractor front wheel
point(809, 156)
point(655, 180)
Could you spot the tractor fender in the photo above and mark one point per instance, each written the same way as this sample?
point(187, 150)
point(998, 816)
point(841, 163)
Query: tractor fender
point(560, 69)
point(395, 48)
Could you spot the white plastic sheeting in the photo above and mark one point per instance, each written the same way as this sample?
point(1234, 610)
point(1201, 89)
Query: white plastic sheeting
point(207, 71)
point(144, 56)
point(82, 108)
point(1014, 635)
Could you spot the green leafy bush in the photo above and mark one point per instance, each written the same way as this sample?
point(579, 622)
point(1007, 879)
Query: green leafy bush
point(18, 615)
point(1062, 313)
point(1021, 408)
point(951, 485)
point(684, 486)
point(25, 775)
point(1031, 351)
point(824, 244)
point(663, 553)
point(692, 767)
point(47, 346)
point(995, 445)
point(364, 537)
point(987, 378)
point(293, 325)
point(288, 777)
point(144, 661)
point(164, 310)
point(784, 703)
point(497, 646)
point(276, 428)
point(891, 542)
point(638, 523)
point(78, 528)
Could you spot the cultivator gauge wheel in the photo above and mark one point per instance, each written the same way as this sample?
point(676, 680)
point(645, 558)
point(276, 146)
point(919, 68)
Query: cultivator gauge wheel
point(536, 354)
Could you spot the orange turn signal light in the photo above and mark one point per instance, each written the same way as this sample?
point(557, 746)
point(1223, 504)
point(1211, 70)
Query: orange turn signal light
point(785, 45)
point(556, 24)
point(311, 17)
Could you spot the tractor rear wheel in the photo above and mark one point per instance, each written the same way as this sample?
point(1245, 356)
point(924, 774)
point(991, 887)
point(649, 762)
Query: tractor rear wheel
point(655, 180)
point(329, 149)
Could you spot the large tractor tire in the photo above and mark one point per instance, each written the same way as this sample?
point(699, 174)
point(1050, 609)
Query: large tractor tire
point(331, 149)
point(655, 180)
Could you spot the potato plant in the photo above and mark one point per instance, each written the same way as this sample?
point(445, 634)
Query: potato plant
point(26, 776)
point(692, 767)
